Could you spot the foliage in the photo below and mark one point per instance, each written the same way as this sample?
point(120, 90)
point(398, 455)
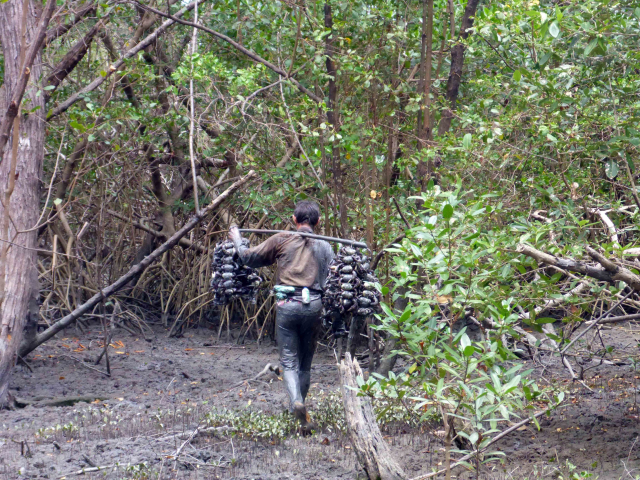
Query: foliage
point(454, 264)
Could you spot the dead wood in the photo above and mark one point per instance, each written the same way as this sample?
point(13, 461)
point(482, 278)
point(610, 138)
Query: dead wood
point(135, 270)
point(60, 401)
point(184, 242)
point(372, 451)
point(72, 58)
point(267, 368)
point(610, 273)
point(87, 470)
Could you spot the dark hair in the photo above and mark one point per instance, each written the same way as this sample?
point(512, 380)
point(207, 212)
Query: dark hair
point(307, 212)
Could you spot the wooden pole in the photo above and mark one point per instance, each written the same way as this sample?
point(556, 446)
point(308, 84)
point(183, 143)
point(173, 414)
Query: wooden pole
point(353, 243)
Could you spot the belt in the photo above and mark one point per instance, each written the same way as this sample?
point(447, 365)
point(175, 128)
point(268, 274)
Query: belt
point(295, 292)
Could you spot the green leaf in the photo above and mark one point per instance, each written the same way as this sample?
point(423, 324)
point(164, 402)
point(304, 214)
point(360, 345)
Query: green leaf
point(466, 141)
point(611, 169)
point(469, 351)
point(545, 320)
point(517, 75)
point(554, 30)
point(535, 420)
point(447, 211)
point(592, 44)
point(637, 12)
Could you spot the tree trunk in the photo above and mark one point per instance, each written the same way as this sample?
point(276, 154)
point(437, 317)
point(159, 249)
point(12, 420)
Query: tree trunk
point(20, 177)
point(372, 451)
point(332, 116)
point(455, 72)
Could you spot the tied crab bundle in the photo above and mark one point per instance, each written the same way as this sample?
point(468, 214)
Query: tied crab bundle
point(230, 279)
point(350, 288)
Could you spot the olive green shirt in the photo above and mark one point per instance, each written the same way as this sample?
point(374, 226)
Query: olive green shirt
point(302, 262)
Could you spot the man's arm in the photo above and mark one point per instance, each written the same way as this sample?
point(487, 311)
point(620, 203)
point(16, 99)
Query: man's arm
point(324, 256)
point(259, 256)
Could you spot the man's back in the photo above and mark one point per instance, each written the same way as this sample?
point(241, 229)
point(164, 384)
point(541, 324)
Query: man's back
point(302, 262)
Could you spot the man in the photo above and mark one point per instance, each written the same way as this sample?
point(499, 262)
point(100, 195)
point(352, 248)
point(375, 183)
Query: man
point(303, 266)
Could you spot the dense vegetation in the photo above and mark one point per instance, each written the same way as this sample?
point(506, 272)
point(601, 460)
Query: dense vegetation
point(447, 132)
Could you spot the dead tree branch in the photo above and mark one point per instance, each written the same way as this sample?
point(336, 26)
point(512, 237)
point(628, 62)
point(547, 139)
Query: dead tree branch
point(135, 270)
point(610, 273)
point(60, 30)
point(372, 451)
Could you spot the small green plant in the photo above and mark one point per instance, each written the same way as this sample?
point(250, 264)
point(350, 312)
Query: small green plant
point(139, 471)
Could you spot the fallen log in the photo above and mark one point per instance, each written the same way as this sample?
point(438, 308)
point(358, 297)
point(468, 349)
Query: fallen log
point(137, 269)
point(59, 402)
point(372, 451)
point(610, 273)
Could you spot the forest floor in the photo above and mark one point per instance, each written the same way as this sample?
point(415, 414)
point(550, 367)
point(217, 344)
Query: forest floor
point(160, 391)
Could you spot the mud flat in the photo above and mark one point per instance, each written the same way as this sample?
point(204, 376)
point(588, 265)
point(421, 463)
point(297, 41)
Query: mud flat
point(165, 411)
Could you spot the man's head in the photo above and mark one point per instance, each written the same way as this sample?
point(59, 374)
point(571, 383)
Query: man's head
point(306, 213)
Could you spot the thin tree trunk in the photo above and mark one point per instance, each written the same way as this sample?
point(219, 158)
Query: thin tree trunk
point(424, 86)
point(457, 62)
point(20, 175)
point(332, 116)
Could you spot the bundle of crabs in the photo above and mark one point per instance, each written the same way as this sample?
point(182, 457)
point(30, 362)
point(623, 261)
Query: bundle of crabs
point(351, 285)
point(230, 279)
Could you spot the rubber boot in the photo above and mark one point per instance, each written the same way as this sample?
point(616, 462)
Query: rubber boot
point(305, 383)
point(292, 382)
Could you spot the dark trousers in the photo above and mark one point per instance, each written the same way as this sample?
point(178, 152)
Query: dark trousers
point(297, 327)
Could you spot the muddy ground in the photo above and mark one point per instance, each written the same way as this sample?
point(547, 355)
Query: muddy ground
point(161, 390)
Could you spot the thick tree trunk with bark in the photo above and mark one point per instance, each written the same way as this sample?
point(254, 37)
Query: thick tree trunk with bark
point(457, 61)
point(20, 174)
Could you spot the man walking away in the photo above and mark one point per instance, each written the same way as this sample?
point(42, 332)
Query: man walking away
point(303, 265)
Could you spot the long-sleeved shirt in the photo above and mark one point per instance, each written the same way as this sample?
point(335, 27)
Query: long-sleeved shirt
point(302, 262)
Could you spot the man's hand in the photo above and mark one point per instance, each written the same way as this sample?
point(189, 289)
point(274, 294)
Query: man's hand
point(236, 238)
point(234, 234)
